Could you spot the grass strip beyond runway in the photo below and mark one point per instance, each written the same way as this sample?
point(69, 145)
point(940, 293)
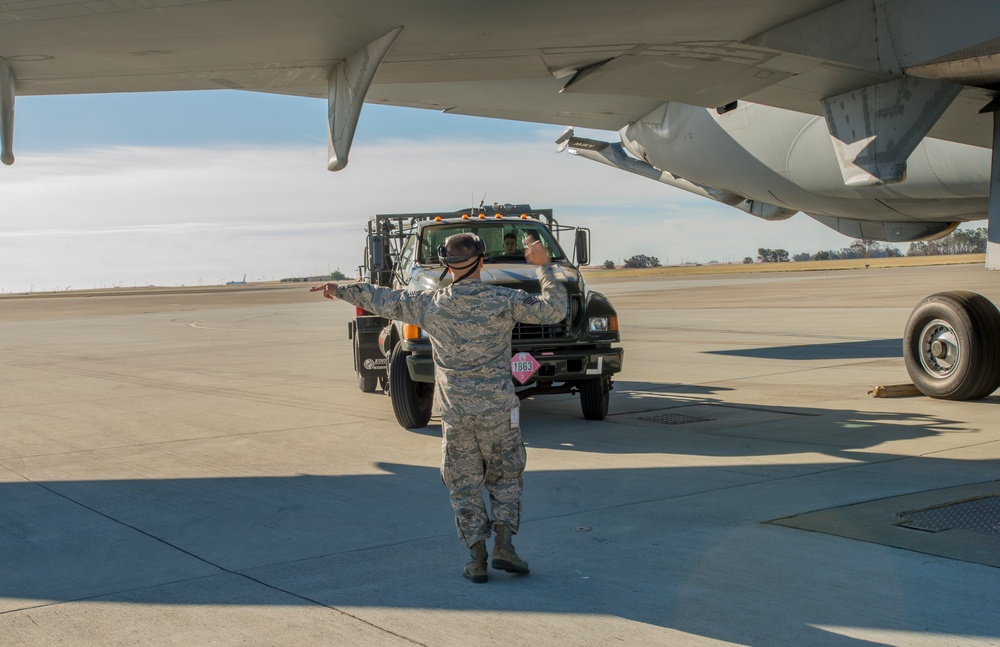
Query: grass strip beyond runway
point(792, 266)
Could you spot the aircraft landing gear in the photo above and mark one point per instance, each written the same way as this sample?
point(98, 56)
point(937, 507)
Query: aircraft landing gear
point(952, 346)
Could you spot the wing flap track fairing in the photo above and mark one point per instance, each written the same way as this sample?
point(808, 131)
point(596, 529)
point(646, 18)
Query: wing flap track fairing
point(347, 86)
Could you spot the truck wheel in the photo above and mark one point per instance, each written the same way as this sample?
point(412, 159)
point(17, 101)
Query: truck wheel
point(594, 397)
point(952, 346)
point(411, 401)
point(366, 384)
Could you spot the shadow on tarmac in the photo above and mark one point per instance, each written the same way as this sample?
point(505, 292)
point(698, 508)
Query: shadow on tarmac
point(871, 349)
point(709, 579)
point(660, 545)
point(735, 430)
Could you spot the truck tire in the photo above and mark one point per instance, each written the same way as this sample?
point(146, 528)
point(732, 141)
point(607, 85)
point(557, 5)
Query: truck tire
point(594, 397)
point(366, 384)
point(952, 346)
point(411, 401)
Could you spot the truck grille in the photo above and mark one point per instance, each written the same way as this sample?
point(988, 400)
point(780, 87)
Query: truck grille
point(526, 332)
point(561, 330)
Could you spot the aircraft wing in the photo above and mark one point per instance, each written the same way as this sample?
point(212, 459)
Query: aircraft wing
point(592, 63)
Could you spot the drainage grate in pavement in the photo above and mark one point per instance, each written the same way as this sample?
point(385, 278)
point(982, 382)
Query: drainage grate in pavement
point(674, 419)
point(980, 515)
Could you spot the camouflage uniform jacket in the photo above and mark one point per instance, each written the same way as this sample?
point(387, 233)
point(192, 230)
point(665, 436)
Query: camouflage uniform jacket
point(469, 324)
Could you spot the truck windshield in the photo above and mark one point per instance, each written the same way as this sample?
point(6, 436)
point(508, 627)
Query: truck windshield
point(505, 241)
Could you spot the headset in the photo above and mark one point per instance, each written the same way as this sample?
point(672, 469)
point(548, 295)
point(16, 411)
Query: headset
point(480, 250)
point(442, 250)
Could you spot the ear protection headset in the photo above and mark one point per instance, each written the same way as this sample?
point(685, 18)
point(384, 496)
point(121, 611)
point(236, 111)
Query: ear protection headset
point(449, 261)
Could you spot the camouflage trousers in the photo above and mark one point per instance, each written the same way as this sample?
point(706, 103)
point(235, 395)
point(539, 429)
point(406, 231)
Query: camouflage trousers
point(482, 451)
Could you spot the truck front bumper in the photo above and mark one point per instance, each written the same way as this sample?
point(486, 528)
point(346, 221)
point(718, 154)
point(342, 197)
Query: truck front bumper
point(555, 366)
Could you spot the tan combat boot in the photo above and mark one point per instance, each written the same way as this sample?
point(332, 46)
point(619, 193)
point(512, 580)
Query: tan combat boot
point(504, 557)
point(476, 569)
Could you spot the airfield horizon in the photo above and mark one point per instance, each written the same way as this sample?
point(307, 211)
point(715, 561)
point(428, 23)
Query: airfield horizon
point(593, 272)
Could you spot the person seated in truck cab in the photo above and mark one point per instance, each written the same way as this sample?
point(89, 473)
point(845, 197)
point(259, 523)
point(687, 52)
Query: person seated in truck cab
point(510, 245)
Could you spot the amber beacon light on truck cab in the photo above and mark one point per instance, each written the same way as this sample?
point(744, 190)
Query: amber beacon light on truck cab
point(576, 355)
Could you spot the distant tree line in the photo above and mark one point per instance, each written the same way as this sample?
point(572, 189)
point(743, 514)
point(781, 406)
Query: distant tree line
point(771, 255)
point(960, 241)
point(641, 260)
point(863, 248)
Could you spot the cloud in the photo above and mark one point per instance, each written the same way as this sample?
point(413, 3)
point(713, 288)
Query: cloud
point(182, 215)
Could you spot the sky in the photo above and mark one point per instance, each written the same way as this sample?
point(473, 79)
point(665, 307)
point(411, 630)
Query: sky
point(202, 188)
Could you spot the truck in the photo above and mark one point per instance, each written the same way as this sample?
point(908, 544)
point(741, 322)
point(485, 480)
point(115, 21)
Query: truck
point(575, 355)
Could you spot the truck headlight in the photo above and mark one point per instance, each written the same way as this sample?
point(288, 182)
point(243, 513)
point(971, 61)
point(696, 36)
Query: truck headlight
point(603, 324)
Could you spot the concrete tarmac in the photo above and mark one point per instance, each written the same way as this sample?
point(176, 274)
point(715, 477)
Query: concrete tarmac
point(201, 469)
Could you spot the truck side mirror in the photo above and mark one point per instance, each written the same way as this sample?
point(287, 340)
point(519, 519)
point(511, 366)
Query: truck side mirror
point(377, 259)
point(582, 246)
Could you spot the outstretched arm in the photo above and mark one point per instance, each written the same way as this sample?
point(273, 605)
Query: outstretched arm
point(329, 289)
point(385, 302)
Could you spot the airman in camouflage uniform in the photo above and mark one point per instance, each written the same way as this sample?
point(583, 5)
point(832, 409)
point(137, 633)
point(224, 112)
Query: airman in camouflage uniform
point(469, 324)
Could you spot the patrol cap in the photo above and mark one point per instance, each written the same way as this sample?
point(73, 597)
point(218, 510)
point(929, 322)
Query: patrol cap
point(479, 249)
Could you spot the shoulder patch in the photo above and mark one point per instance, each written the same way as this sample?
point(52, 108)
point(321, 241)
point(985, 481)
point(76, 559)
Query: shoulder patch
point(529, 300)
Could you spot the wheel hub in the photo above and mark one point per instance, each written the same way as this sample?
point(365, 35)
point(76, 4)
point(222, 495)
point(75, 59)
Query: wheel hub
point(939, 349)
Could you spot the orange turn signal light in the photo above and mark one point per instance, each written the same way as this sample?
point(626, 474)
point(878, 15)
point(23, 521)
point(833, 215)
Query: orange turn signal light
point(411, 332)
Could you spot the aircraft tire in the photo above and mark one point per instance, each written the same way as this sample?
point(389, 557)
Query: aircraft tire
point(595, 395)
point(952, 346)
point(411, 401)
